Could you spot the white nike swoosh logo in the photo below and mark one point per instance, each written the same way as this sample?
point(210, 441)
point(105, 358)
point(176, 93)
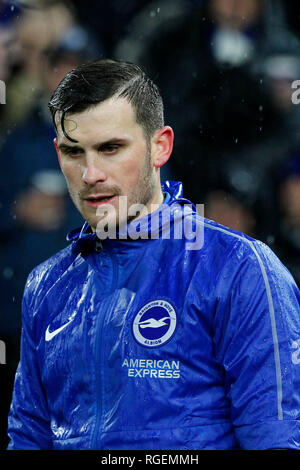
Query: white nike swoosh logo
point(50, 334)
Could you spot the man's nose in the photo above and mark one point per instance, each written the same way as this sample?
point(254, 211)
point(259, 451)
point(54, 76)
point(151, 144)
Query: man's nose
point(92, 171)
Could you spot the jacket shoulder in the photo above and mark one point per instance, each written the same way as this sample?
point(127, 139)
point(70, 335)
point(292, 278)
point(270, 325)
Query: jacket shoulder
point(239, 251)
point(227, 237)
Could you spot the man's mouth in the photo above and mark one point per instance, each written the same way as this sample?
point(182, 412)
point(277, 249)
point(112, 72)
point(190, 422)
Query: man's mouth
point(96, 201)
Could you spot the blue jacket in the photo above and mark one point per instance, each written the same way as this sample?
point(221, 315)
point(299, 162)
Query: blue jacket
point(150, 344)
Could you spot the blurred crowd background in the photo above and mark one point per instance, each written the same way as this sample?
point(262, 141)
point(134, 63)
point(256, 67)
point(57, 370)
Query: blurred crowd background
point(225, 69)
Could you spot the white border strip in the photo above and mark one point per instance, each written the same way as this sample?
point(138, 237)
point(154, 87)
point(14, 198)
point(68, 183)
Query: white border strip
point(272, 316)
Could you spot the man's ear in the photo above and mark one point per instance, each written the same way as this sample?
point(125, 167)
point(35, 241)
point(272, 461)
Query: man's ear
point(57, 149)
point(162, 146)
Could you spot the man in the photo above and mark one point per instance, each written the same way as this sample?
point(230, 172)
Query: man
point(140, 342)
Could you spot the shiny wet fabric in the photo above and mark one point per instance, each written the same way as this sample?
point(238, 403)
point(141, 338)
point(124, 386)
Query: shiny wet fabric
point(159, 343)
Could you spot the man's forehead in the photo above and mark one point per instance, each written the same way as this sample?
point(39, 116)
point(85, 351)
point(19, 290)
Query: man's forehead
point(112, 118)
point(113, 108)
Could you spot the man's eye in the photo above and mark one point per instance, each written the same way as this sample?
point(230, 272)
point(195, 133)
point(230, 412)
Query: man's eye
point(72, 152)
point(109, 148)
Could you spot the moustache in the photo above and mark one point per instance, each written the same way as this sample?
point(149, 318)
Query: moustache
point(111, 190)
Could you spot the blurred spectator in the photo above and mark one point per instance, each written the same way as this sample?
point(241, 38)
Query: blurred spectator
point(287, 228)
point(214, 104)
point(9, 14)
point(237, 26)
point(249, 171)
point(280, 69)
point(39, 26)
point(229, 211)
point(213, 85)
point(109, 21)
point(228, 29)
point(6, 39)
point(146, 24)
point(292, 13)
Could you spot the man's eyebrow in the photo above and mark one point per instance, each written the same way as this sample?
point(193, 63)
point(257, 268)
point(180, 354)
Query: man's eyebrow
point(114, 140)
point(68, 147)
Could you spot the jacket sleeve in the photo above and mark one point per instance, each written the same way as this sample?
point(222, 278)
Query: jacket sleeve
point(28, 420)
point(257, 342)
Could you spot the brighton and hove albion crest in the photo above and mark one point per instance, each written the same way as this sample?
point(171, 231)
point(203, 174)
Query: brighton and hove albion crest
point(155, 323)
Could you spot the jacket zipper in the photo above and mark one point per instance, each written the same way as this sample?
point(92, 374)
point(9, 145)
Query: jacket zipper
point(99, 364)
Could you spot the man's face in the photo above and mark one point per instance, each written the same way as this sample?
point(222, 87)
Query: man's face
point(111, 159)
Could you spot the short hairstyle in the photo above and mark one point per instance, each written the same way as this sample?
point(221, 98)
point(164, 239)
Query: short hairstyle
point(91, 83)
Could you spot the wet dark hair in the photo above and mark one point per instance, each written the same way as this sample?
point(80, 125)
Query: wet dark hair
point(91, 83)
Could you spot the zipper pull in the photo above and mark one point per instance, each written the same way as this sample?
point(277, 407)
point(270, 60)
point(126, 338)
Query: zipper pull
point(98, 246)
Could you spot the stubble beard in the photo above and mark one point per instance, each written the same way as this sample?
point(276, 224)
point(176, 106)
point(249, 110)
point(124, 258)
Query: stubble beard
point(144, 191)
